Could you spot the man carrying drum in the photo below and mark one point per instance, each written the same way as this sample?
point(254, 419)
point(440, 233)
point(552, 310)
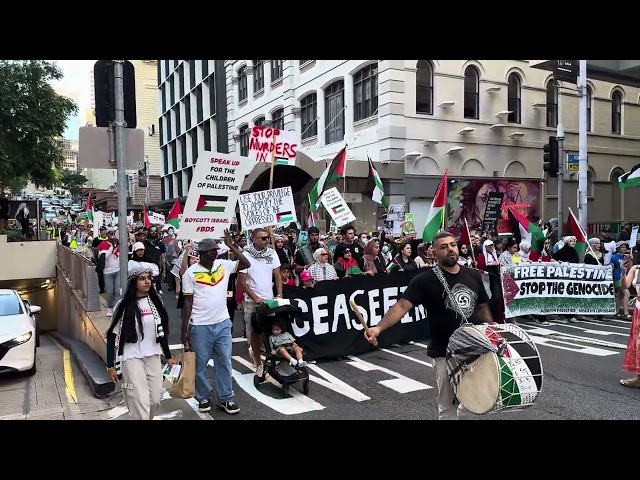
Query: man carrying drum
point(463, 299)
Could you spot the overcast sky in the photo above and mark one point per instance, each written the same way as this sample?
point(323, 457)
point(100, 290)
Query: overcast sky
point(77, 75)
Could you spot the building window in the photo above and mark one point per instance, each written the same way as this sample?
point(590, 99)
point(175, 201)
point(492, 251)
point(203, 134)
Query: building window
point(243, 90)
point(258, 75)
point(244, 140)
point(424, 87)
point(259, 122)
point(616, 112)
point(514, 103)
point(309, 115)
point(471, 93)
point(276, 70)
point(365, 92)
point(552, 104)
point(278, 119)
point(334, 112)
point(589, 103)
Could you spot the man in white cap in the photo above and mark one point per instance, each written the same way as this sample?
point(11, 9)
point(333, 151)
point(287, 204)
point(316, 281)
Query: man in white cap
point(206, 325)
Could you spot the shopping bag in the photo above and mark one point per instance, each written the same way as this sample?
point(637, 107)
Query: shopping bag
point(185, 385)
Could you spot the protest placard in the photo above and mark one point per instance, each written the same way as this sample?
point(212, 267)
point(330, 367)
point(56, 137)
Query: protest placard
point(211, 201)
point(261, 145)
point(267, 208)
point(333, 203)
point(557, 289)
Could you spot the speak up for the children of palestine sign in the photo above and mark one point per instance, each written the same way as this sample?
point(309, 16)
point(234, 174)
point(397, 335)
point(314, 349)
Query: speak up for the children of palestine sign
point(329, 328)
point(333, 203)
point(557, 288)
point(267, 208)
point(211, 201)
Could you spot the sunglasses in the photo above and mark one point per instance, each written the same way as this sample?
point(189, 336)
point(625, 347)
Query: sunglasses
point(324, 254)
point(347, 251)
point(264, 239)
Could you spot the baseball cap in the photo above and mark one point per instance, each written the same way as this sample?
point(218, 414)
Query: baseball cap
point(304, 276)
point(207, 245)
point(138, 246)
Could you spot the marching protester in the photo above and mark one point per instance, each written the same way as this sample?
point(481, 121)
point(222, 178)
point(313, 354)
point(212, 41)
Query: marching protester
point(403, 258)
point(425, 257)
point(346, 266)
point(631, 362)
point(136, 338)
point(137, 259)
point(304, 256)
point(464, 259)
point(371, 263)
point(620, 261)
point(206, 326)
point(109, 260)
point(488, 262)
point(348, 233)
point(451, 294)
point(321, 269)
point(256, 281)
point(589, 257)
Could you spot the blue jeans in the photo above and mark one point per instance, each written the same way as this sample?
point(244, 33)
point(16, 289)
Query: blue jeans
point(213, 341)
point(112, 288)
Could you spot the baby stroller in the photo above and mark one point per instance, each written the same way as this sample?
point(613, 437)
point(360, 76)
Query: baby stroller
point(275, 365)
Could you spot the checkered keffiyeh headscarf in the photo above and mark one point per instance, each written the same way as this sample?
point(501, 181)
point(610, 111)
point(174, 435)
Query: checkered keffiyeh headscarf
point(138, 270)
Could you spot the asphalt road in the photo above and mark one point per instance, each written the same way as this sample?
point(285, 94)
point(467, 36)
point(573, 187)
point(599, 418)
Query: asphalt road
point(581, 382)
point(581, 361)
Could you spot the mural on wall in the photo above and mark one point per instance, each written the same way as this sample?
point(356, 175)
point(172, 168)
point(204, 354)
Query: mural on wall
point(467, 199)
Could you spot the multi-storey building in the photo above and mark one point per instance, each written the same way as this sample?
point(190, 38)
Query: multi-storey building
point(484, 122)
point(70, 151)
point(190, 96)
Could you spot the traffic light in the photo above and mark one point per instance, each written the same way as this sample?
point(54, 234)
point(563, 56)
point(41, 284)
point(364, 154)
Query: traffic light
point(550, 157)
point(104, 93)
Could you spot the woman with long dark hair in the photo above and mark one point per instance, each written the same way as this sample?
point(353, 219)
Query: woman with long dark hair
point(138, 334)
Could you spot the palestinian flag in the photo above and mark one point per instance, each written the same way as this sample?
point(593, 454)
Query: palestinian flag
point(284, 217)
point(339, 209)
point(435, 219)
point(333, 172)
point(393, 266)
point(282, 161)
point(90, 210)
point(277, 302)
point(212, 203)
point(174, 215)
point(145, 215)
point(630, 179)
point(374, 188)
point(574, 229)
point(524, 230)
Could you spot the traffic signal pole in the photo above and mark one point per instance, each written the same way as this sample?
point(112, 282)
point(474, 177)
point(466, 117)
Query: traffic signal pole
point(582, 145)
point(119, 126)
point(560, 136)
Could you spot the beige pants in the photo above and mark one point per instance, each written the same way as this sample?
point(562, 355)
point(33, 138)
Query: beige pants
point(248, 308)
point(447, 409)
point(142, 386)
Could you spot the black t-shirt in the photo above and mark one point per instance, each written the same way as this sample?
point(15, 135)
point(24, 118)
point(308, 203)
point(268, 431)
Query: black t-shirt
point(153, 249)
point(357, 252)
point(425, 289)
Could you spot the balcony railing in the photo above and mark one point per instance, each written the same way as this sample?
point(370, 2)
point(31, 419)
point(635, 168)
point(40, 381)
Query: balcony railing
point(81, 274)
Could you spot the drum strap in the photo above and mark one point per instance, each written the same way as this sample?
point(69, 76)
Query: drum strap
point(438, 271)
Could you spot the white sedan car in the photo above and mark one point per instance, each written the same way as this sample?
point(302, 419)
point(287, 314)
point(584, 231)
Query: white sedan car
point(18, 333)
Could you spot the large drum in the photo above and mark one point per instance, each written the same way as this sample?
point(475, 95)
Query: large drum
point(510, 377)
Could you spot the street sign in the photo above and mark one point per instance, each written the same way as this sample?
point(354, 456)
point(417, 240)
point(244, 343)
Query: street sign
point(96, 148)
point(573, 164)
point(566, 70)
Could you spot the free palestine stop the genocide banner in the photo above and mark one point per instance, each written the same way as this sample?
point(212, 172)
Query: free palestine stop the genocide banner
point(557, 288)
point(329, 328)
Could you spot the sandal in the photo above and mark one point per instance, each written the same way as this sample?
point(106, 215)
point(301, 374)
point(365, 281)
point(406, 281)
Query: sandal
point(630, 382)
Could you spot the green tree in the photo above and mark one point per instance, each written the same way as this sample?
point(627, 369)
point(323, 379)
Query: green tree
point(15, 184)
point(73, 182)
point(32, 121)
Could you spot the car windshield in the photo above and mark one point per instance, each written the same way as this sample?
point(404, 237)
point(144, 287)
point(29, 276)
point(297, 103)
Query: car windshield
point(9, 305)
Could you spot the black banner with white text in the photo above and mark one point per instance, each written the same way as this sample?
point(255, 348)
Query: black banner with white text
point(329, 328)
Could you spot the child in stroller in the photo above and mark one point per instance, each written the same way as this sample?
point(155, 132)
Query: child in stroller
point(280, 366)
point(283, 344)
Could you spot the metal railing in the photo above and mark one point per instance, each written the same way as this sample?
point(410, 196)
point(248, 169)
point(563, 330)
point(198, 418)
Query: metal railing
point(82, 276)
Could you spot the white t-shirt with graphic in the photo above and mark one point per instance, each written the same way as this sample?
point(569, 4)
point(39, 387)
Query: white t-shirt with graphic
point(147, 346)
point(209, 290)
point(259, 274)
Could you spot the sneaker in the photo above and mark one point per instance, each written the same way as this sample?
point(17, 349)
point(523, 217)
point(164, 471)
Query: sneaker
point(302, 363)
point(109, 312)
point(229, 407)
point(205, 405)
